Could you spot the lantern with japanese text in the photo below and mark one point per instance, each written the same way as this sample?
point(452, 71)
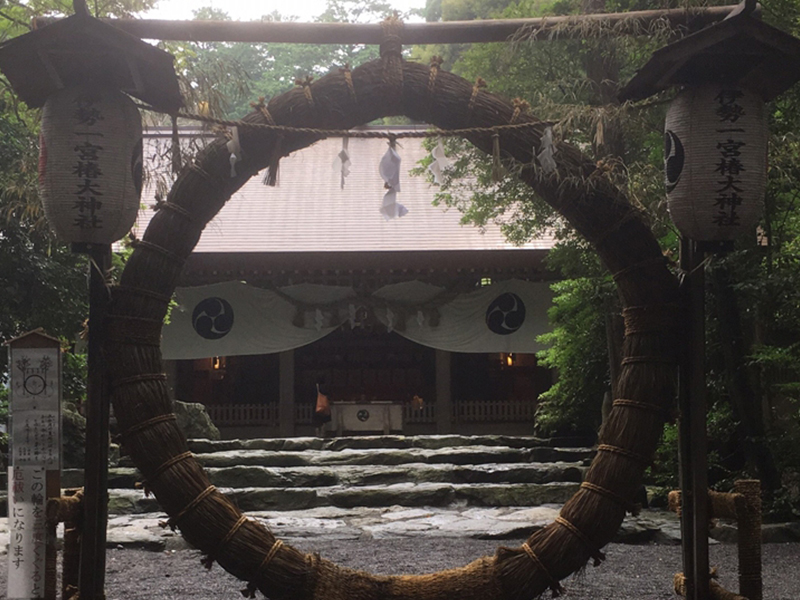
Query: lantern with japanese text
point(715, 161)
point(82, 72)
point(90, 164)
point(715, 136)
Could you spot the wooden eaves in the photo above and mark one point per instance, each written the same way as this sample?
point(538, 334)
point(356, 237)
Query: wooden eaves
point(447, 32)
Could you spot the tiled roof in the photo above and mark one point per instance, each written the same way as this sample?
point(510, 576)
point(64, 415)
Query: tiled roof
point(309, 212)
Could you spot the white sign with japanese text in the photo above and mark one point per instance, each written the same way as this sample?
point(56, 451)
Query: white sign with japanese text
point(35, 449)
point(27, 532)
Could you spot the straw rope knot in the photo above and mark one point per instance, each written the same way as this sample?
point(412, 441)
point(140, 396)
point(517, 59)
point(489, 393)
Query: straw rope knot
point(665, 413)
point(173, 521)
point(178, 260)
point(553, 583)
point(261, 107)
point(479, 85)
point(208, 561)
point(521, 107)
point(620, 451)
point(391, 39)
point(171, 206)
point(250, 590)
point(391, 50)
point(348, 79)
point(436, 64)
point(594, 552)
point(305, 84)
point(630, 507)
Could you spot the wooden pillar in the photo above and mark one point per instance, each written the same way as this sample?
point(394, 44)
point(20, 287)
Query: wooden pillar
point(692, 442)
point(750, 582)
point(91, 581)
point(286, 405)
point(444, 401)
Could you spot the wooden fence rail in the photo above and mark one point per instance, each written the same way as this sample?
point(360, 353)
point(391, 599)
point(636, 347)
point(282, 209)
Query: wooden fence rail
point(477, 411)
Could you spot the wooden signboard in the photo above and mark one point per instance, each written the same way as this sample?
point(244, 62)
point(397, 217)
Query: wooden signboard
point(34, 474)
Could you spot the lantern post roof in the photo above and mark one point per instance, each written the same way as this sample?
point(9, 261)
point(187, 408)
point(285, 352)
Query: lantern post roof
point(83, 50)
point(34, 339)
point(741, 49)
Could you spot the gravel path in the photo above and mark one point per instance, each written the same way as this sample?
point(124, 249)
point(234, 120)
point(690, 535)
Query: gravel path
point(629, 573)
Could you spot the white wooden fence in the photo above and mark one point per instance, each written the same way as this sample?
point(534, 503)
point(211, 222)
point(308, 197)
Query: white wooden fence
point(492, 411)
point(481, 411)
point(426, 414)
point(243, 414)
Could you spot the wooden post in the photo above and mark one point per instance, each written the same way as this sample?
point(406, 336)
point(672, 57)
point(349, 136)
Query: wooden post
point(68, 509)
point(95, 521)
point(692, 442)
point(444, 401)
point(750, 582)
point(286, 404)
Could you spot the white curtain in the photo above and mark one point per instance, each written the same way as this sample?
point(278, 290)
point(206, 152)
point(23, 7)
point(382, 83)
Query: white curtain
point(233, 318)
point(506, 316)
point(229, 319)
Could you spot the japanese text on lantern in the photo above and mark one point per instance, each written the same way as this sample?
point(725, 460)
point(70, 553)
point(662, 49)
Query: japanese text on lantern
point(729, 167)
point(88, 197)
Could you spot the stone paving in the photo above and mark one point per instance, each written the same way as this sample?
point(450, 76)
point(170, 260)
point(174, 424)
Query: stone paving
point(143, 531)
point(386, 487)
point(332, 523)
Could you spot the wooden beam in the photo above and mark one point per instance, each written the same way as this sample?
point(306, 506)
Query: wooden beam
point(445, 32)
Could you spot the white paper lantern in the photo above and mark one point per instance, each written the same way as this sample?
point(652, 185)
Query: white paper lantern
point(715, 161)
point(90, 164)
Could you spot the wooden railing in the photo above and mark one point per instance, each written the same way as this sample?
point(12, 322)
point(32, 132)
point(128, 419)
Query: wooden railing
point(243, 414)
point(426, 414)
point(492, 411)
point(304, 413)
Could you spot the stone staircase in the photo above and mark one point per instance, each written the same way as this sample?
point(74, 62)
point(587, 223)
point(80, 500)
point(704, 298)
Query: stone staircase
point(374, 471)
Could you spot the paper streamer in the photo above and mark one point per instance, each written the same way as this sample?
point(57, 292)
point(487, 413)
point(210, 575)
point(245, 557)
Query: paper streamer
point(439, 164)
point(545, 157)
point(235, 149)
point(390, 172)
point(342, 162)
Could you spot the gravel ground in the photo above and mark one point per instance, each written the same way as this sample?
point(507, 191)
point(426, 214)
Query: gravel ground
point(629, 573)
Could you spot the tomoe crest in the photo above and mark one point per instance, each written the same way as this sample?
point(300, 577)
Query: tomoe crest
point(212, 318)
point(505, 314)
point(674, 157)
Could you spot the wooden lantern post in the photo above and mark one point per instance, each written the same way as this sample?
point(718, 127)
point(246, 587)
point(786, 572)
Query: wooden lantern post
point(715, 177)
point(81, 71)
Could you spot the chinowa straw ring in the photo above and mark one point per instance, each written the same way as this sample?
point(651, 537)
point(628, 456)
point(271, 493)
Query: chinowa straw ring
point(342, 100)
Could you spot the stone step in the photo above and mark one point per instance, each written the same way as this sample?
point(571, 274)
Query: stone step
point(389, 456)
point(430, 442)
point(359, 475)
point(401, 494)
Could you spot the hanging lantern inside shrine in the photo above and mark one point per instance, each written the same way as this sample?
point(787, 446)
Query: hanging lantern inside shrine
point(90, 164)
point(715, 161)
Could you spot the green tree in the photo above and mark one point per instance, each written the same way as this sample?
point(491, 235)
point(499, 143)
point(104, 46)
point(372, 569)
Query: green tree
point(754, 420)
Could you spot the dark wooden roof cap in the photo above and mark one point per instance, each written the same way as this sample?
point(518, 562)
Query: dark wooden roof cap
point(34, 339)
point(81, 49)
point(740, 49)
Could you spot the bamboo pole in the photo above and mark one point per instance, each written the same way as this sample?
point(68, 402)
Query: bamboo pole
point(446, 32)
